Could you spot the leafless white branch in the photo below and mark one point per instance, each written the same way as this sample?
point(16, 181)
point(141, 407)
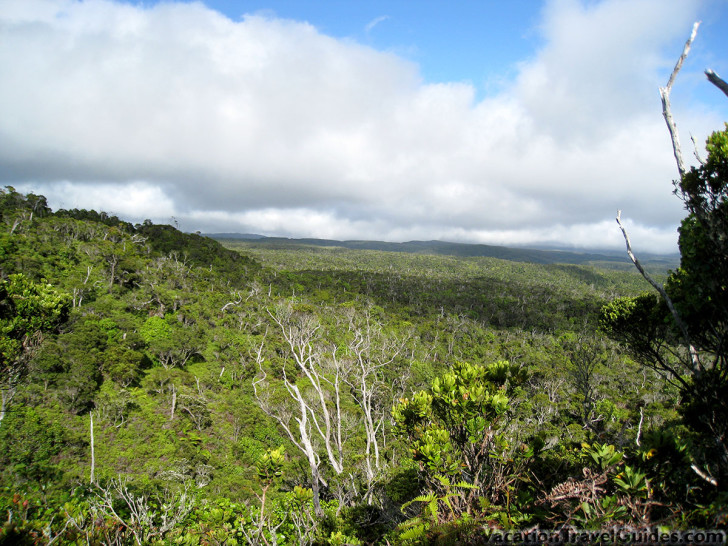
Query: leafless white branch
point(665, 96)
point(696, 368)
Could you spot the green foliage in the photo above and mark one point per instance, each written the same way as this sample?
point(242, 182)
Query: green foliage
point(607, 491)
point(155, 330)
point(162, 334)
point(29, 444)
point(169, 344)
point(699, 293)
point(433, 504)
point(642, 323)
point(605, 457)
point(196, 250)
point(27, 309)
point(456, 431)
point(270, 465)
point(94, 216)
point(14, 205)
point(632, 482)
point(499, 293)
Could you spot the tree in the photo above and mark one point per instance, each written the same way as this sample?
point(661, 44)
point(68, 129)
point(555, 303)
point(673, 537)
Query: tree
point(336, 394)
point(683, 332)
point(317, 405)
point(699, 287)
point(368, 354)
point(586, 357)
point(16, 207)
point(696, 363)
point(30, 442)
point(27, 311)
point(170, 345)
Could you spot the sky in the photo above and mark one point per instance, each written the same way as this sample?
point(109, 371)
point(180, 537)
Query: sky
point(520, 123)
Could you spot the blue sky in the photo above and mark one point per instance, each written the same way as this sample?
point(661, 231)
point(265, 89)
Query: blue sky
point(474, 41)
point(517, 123)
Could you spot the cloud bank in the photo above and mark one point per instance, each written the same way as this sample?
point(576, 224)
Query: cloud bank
point(267, 125)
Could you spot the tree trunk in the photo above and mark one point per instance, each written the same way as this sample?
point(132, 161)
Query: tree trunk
point(174, 402)
point(93, 452)
point(3, 405)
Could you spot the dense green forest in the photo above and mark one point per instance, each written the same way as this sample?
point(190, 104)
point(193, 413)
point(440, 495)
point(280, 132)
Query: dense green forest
point(161, 388)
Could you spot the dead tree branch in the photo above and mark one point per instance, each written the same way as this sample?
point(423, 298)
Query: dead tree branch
point(657, 286)
point(236, 302)
point(716, 80)
point(665, 96)
point(696, 152)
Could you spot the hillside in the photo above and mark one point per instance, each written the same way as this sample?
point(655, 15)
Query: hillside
point(178, 390)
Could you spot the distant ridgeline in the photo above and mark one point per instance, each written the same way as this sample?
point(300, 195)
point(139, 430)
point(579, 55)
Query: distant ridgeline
point(616, 260)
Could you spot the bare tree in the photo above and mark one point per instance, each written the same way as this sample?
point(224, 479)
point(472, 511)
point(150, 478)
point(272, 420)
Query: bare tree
point(314, 412)
point(143, 520)
point(369, 353)
point(323, 374)
point(329, 375)
point(92, 479)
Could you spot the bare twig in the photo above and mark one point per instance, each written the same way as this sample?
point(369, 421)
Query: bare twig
point(696, 152)
point(672, 128)
point(680, 324)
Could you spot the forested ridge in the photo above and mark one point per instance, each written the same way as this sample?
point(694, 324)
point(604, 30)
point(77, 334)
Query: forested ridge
point(463, 250)
point(159, 387)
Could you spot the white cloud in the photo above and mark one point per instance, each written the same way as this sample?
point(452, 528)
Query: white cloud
point(132, 201)
point(374, 22)
point(600, 63)
point(267, 125)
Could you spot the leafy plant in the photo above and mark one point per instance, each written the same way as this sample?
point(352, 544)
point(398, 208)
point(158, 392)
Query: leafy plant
point(455, 432)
